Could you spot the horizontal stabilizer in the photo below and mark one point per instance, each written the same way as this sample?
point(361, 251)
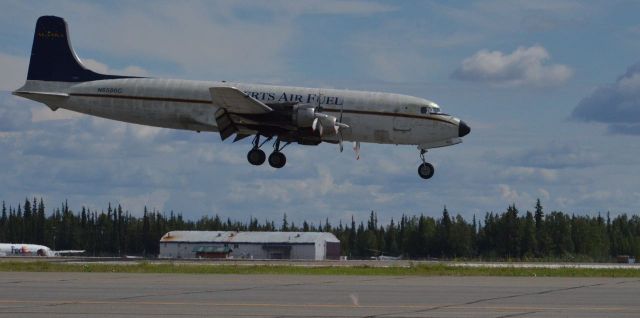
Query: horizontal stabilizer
point(26, 94)
point(237, 102)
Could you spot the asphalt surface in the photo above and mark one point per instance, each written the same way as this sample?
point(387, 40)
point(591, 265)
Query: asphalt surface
point(183, 295)
point(313, 263)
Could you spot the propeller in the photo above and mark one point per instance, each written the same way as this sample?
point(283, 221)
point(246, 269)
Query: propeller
point(356, 148)
point(322, 121)
point(340, 132)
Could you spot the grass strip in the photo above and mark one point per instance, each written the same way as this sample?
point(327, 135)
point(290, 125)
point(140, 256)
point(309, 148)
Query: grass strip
point(412, 270)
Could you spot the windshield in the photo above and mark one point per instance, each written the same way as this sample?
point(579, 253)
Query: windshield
point(430, 109)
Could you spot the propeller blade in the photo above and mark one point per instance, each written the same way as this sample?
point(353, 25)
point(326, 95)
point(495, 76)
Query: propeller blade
point(356, 148)
point(340, 142)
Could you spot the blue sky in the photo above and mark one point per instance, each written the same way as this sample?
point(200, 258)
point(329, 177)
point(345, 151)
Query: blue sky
point(551, 90)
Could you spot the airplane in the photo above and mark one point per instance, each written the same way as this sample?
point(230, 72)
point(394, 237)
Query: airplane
point(11, 249)
point(381, 257)
point(281, 114)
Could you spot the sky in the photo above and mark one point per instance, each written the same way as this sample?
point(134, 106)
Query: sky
point(551, 90)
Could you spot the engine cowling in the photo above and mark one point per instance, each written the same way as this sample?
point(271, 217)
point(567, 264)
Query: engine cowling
point(304, 115)
point(307, 116)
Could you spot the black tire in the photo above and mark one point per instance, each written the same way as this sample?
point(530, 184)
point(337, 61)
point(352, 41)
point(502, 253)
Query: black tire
point(277, 159)
point(256, 157)
point(426, 170)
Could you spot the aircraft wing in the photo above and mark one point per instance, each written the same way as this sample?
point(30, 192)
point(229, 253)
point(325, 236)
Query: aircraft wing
point(66, 252)
point(237, 102)
point(231, 100)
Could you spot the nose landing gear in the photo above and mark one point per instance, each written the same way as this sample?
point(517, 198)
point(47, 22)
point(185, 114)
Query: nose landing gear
point(425, 170)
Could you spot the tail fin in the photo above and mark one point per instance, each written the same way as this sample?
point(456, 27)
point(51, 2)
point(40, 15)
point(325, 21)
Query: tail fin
point(53, 59)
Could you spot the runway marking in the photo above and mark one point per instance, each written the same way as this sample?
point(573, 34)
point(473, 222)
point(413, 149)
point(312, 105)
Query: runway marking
point(273, 305)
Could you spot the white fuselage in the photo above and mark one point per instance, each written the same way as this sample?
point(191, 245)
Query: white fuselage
point(184, 104)
point(11, 249)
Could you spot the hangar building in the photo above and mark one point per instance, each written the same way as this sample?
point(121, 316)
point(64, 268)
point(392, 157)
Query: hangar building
point(249, 245)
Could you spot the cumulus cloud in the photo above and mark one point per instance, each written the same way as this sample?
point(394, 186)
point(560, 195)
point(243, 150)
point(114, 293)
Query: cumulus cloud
point(224, 40)
point(510, 195)
point(13, 115)
point(529, 173)
point(330, 7)
point(14, 71)
point(555, 155)
point(99, 67)
point(524, 66)
point(617, 105)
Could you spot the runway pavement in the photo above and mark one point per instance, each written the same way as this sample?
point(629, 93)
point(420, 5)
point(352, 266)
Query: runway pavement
point(180, 295)
point(314, 263)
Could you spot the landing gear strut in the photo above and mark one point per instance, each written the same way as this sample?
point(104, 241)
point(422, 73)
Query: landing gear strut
point(425, 170)
point(256, 156)
point(277, 159)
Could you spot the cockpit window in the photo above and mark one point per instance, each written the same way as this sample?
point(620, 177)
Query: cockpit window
point(429, 110)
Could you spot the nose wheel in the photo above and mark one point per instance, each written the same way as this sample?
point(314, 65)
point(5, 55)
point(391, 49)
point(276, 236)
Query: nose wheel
point(425, 170)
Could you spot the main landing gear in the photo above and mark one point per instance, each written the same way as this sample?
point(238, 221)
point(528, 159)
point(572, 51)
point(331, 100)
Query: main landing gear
point(425, 170)
point(257, 157)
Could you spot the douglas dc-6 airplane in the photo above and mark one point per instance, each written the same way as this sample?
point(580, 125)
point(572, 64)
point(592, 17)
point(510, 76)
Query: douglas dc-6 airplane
point(307, 116)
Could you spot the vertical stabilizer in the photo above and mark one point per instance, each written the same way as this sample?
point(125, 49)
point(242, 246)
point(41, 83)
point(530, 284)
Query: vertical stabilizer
point(53, 59)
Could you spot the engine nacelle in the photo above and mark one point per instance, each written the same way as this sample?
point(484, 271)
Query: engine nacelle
point(307, 116)
point(303, 115)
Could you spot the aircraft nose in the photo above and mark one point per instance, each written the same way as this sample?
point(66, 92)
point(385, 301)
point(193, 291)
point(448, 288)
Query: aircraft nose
point(463, 129)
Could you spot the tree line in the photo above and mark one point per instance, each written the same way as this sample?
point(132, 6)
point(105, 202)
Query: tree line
point(505, 235)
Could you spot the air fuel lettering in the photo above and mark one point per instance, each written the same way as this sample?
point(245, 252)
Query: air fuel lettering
point(295, 98)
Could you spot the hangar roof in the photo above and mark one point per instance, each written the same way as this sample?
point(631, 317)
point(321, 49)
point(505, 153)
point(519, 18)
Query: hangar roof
point(248, 237)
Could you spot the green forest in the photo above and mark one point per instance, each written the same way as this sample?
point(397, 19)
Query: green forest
point(508, 235)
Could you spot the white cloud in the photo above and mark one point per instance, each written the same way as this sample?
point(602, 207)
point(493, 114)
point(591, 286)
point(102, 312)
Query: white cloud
point(524, 66)
point(397, 65)
point(213, 41)
point(44, 113)
point(330, 7)
point(510, 195)
point(500, 17)
point(544, 194)
point(528, 173)
point(556, 155)
point(13, 71)
point(99, 67)
point(153, 201)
